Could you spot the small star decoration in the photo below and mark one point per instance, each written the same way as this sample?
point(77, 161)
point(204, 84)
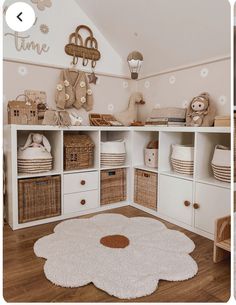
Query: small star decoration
point(92, 78)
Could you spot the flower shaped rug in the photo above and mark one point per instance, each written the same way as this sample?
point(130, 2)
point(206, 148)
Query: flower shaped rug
point(126, 257)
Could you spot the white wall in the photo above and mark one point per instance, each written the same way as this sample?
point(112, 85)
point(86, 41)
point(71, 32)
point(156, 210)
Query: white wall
point(62, 19)
point(176, 89)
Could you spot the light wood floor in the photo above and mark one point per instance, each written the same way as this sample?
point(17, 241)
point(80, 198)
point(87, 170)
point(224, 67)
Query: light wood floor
point(24, 279)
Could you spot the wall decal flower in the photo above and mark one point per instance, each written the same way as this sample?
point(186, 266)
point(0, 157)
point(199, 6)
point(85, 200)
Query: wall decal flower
point(76, 254)
point(44, 28)
point(204, 72)
point(22, 70)
point(172, 79)
point(147, 84)
point(42, 4)
point(110, 107)
point(125, 84)
point(222, 100)
point(185, 104)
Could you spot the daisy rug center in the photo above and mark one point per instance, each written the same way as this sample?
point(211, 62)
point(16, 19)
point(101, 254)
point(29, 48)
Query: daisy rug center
point(115, 241)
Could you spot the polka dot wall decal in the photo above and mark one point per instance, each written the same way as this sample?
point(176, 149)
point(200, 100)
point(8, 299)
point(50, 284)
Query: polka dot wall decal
point(110, 107)
point(222, 100)
point(125, 84)
point(147, 84)
point(22, 70)
point(157, 106)
point(172, 79)
point(204, 72)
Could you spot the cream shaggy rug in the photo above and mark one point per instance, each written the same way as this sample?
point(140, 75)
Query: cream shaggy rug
point(126, 257)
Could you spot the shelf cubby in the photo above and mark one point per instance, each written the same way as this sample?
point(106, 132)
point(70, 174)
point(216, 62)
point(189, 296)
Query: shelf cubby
point(205, 146)
point(94, 135)
point(140, 142)
point(167, 139)
point(115, 136)
point(54, 138)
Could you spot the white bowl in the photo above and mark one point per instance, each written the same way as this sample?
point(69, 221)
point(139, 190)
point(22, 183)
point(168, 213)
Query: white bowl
point(182, 152)
point(113, 147)
point(221, 156)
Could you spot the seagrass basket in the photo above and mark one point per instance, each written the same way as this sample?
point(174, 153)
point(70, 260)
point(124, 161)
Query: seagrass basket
point(78, 151)
point(113, 186)
point(39, 198)
point(145, 189)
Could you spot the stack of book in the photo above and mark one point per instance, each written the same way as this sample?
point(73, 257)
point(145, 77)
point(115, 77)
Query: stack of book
point(222, 120)
point(167, 117)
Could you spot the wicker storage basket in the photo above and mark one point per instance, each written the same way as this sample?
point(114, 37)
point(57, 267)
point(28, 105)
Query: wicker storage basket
point(78, 151)
point(145, 189)
point(234, 147)
point(39, 198)
point(22, 112)
point(113, 185)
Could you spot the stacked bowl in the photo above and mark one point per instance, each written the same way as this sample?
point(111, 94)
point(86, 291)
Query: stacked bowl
point(221, 163)
point(182, 159)
point(113, 153)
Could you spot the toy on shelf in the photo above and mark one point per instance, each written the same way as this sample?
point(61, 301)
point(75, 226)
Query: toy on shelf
point(130, 115)
point(97, 119)
point(201, 111)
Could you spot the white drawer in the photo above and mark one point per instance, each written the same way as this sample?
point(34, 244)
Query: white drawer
point(80, 182)
point(80, 201)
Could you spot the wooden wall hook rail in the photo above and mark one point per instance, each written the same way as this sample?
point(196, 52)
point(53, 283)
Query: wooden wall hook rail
point(86, 49)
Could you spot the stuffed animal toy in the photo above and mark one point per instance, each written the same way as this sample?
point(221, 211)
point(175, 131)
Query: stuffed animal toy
point(76, 120)
point(130, 115)
point(201, 111)
point(37, 140)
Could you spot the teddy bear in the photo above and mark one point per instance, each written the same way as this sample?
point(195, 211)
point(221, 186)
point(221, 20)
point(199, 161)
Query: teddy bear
point(201, 111)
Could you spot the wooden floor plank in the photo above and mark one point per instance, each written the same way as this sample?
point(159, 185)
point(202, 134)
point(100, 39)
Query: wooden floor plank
point(24, 280)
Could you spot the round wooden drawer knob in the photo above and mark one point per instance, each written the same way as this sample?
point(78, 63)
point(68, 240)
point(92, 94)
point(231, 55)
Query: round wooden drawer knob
point(196, 206)
point(82, 182)
point(187, 203)
point(83, 202)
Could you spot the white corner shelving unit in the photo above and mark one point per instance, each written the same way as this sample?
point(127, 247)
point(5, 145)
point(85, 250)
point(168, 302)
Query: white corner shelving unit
point(212, 196)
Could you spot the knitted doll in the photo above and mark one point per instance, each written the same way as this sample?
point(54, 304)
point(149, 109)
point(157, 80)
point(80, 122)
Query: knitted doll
point(73, 90)
point(201, 111)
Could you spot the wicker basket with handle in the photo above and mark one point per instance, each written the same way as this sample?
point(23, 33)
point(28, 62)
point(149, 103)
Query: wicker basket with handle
point(113, 185)
point(78, 151)
point(145, 189)
point(39, 198)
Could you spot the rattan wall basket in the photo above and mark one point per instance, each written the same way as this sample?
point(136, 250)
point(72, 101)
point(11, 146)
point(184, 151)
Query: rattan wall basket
point(78, 151)
point(113, 186)
point(145, 189)
point(39, 198)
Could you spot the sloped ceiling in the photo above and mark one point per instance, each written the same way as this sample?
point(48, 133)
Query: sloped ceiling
point(169, 33)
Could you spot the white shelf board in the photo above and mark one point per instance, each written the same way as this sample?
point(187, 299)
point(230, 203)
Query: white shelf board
point(212, 181)
point(50, 173)
point(91, 169)
point(123, 128)
point(114, 167)
point(146, 168)
point(177, 175)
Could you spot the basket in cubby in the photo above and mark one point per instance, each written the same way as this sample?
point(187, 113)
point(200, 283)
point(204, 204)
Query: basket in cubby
point(39, 198)
point(145, 188)
point(113, 153)
point(78, 151)
point(113, 185)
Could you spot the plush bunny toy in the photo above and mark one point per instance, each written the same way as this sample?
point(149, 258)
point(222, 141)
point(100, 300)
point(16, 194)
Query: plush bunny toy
point(201, 111)
point(37, 140)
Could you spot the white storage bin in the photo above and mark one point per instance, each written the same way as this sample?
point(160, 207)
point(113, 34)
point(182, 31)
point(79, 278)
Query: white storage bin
point(151, 157)
point(113, 153)
point(221, 156)
point(182, 152)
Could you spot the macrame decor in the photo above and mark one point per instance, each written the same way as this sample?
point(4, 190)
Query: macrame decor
point(86, 49)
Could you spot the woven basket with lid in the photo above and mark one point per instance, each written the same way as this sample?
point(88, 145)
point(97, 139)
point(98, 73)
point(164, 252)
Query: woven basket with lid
point(78, 151)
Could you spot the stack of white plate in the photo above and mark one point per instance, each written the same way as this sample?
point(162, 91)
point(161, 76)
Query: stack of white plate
point(221, 163)
point(34, 160)
point(113, 153)
point(182, 159)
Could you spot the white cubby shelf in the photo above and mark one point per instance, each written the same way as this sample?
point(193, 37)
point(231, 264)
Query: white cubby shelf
point(173, 189)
